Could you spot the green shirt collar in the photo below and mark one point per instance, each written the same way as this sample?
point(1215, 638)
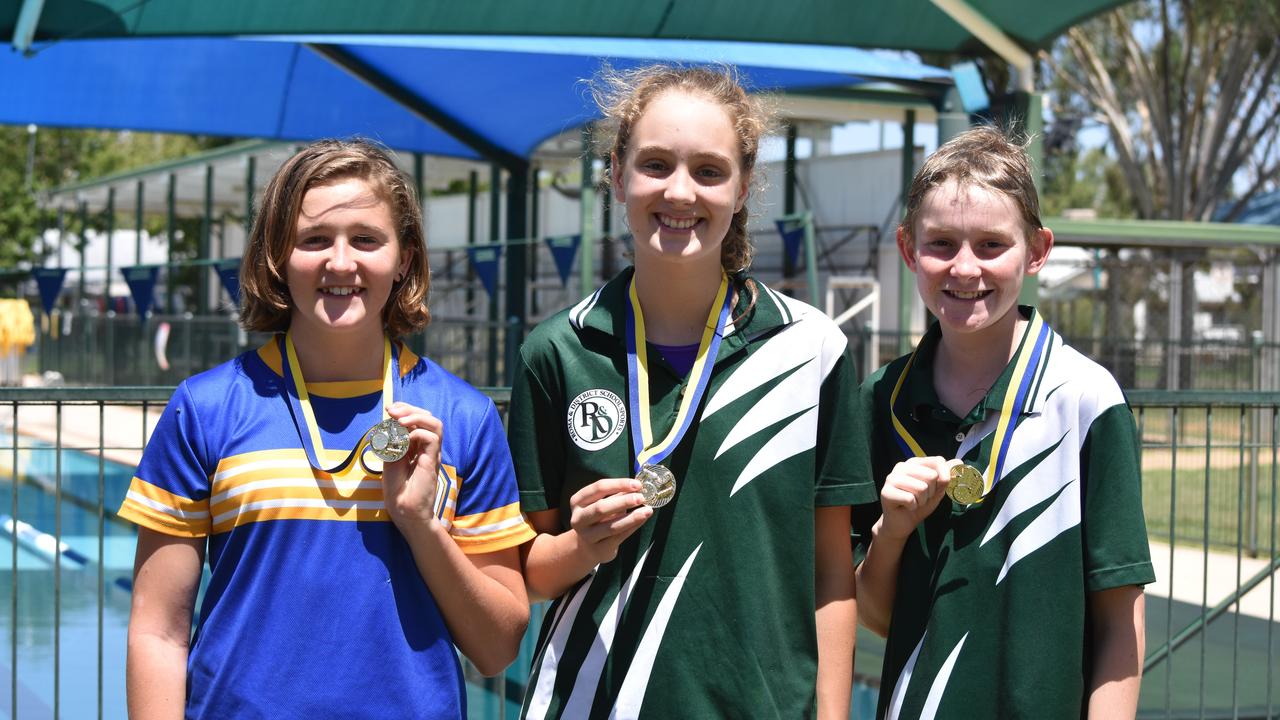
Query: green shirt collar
point(918, 389)
point(606, 311)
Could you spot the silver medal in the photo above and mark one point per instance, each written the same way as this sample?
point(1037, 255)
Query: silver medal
point(657, 485)
point(389, 440)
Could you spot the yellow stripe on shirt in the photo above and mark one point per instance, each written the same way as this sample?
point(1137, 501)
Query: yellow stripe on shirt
point(490, 531)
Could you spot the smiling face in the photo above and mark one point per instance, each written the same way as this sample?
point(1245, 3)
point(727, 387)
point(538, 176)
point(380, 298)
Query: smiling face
point(345, 259)
point(681, 179)
point(970, 250)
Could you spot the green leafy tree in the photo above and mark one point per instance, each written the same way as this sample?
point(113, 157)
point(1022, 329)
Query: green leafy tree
point(31, 164)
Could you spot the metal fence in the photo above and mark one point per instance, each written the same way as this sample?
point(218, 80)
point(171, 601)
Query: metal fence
point(66, 456)
point(109, 349)
point(1210, 478)
point(1151, 364)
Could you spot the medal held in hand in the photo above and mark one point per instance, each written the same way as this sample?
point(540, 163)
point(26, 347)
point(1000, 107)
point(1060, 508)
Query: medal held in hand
point(969, 485)
point(657, 482)
point(657, 485)
point(966, 485)
point(389, 440)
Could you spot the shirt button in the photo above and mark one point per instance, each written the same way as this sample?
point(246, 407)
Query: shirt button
point(960, 437)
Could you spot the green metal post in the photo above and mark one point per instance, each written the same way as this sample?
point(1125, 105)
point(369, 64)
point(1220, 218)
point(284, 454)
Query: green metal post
point(250, 170)
point(517, 268)
point(111, 232)
point(607, 245)
point(420, 178)
point(811, 260)
point(587, 208)
point(138, 223)
point(495, 199)
point(473, 188)
point(905, 298)
point(789, 200)
point(535, 196)
point(206, 237)
point(171, 232)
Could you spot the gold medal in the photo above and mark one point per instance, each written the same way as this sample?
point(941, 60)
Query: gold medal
point(657, 485)
point(965, 487)
point(389, 440)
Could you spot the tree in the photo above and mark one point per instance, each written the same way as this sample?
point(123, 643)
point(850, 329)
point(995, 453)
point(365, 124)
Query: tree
point(1188, 92)
point(51, 157)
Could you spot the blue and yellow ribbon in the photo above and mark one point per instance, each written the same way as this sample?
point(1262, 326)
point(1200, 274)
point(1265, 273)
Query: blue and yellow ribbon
point(647, 451)
point(1025, 369)
point(304, 418)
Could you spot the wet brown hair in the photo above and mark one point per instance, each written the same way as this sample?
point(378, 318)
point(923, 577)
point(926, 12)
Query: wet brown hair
point(986, 157)
point(623, 97)
point(265, 305)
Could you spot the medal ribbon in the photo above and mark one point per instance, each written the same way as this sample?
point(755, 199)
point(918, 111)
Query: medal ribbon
point(638, 375)
point(1026, 364)
point(304, 417)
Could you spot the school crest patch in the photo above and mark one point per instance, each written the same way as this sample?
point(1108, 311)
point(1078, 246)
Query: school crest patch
point(596, 418)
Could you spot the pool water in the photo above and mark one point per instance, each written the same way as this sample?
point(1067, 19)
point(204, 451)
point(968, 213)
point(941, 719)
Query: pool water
point(58, 608)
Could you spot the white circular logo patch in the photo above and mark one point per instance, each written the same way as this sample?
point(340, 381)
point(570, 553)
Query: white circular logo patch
point(596, 418)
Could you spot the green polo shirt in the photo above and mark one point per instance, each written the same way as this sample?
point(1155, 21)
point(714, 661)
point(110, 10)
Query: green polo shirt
point(708, 609)
point(991, 614)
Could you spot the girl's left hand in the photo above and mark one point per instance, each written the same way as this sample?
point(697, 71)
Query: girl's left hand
point(409, 484)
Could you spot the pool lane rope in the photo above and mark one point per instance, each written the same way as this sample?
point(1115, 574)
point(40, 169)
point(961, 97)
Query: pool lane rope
point(40, 543)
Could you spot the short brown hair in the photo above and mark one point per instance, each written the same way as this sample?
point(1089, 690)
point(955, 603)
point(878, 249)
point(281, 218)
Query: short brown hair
point(265, 305)
point(983, 156)
point(623, 97)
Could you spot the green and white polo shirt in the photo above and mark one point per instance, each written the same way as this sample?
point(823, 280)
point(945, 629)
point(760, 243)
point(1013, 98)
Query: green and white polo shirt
point(991, 616)
point(708, 609)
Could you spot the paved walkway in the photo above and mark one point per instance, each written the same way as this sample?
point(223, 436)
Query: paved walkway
point(122, 431)
point(1188, 573)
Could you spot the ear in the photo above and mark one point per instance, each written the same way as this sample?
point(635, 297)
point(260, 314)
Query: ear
point(615, 178)
point(1038, 247)
point(907, 248)
point(405, 257)
point(744, 191)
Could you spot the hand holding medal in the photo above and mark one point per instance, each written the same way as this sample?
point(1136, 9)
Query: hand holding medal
point(605, 513)
point(913, 490)
point(409, 484)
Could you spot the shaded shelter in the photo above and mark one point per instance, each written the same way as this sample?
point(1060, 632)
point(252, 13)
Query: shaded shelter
point(947, 26)
point(495, 99)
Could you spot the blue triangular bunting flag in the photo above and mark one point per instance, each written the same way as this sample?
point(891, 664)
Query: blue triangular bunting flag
point(792, 232)
point(229, 274)
point(563, 250)
point(141, 280)
point(484, 260)
point(49, 280)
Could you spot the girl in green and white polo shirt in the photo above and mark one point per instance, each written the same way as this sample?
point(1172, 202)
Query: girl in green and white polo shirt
point(727, 593)
point(1007, 565)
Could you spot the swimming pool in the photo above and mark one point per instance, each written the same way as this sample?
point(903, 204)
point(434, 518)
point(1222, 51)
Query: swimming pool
point(64, 649)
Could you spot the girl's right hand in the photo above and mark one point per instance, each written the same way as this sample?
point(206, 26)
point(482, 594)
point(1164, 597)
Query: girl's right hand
point(604, 514)
point(912, 492)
